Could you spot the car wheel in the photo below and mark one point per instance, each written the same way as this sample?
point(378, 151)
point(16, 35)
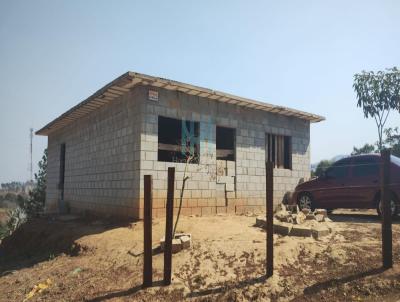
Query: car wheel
point(393, 207)
point(305, 201)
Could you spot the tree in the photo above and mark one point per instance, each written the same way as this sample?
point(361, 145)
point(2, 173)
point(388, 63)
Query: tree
point(377, 94)
point(322, 166)
point(188, 160)
point(28, 207)
point(366, 149)
point(36, 200)
point(393, 140)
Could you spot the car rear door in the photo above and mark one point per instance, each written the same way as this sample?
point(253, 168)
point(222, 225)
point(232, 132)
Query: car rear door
point(364, 181)
point(333, 191)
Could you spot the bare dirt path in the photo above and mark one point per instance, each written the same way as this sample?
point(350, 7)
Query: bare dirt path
point(99, 261)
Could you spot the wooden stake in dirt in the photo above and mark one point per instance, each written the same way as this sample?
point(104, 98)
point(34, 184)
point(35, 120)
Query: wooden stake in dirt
point(269, 173)
point(387, 257)
point(147, 229)
point(168, 227)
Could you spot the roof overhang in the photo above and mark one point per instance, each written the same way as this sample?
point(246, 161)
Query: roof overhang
point(127, 81)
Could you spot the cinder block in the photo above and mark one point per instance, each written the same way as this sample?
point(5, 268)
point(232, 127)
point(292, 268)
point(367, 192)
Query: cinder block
point(221, 168)
point(261, 221)
point(186, 211)
point(282, 228)
point(220, 202)
point(176, 245)
point(231, 195)
point(186, 241)
point(202, 203)
point(196, 211)
point(310, 216)
point(231, 208)
point(230, 187)
point(147, 165)
point(205, 211)
point(302, 231)
point(221, 210)
point(321, 212)
point(320, 231)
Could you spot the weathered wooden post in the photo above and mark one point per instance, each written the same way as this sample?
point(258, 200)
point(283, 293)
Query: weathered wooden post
point(269, 174)
point(168, 227)
point(147, 229)
point(387, 257)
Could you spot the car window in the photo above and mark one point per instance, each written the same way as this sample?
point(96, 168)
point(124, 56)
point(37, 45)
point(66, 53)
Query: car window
point(339, 169)
point(395, 160)
point(366, 166)
point(337, 172)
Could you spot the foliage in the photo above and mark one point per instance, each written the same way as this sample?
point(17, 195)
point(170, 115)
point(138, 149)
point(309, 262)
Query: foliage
point(377, 94)
point(321, 167)
point(366, 149)
point(392, 140)
point(36, 200)
point(12, 186)
point(11, 200)
point(3, 231)
point(16, 217)
point(27, 207)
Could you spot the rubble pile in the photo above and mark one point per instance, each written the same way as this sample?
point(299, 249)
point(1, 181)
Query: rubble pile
point(290, 221)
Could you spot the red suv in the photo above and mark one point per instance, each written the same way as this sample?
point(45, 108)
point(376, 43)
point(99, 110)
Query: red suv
point(352, 182)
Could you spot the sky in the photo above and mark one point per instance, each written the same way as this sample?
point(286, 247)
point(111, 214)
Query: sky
point(298, 54)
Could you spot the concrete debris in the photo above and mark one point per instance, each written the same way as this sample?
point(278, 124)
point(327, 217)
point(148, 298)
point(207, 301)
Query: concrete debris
point(321, 212)
point(281, 215)
point(186, 242)
point(310, 216)
point(293, 208)
point(290, 221)
point(320, 217)
point(180, 242)
point(300, 218)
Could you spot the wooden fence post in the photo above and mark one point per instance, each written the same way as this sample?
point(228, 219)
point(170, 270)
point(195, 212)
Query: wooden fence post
point(147, 229)
point(168, 227)
point(387, 257)
point(269, 174)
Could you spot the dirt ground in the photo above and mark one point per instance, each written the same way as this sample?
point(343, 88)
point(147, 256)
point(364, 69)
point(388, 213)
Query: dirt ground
point(93, 260)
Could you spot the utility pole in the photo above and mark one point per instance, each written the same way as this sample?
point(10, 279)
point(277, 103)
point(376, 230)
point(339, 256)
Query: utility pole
point(31, 165)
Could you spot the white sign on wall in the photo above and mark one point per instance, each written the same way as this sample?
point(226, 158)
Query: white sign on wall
point(153, 95)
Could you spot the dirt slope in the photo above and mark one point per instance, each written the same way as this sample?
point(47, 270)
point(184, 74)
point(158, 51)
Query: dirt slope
point(99, 261)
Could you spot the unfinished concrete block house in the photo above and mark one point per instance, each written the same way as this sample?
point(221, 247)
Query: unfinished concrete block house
point(99, 150)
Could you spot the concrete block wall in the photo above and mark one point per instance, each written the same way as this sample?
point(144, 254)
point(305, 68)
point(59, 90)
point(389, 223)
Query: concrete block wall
point(110, 150)
point(206, 193)
point(102, 160)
